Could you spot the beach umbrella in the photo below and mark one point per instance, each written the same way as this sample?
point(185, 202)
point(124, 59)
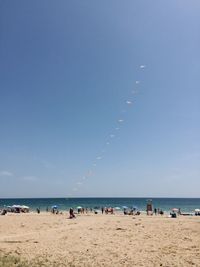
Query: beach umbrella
point(197, 210)
point(79, 207)
point(16, 206)
point(54, 207)
point(175, 209)
point(125, 207)
point(117, 208)
point(25, 207)
point(97, 210)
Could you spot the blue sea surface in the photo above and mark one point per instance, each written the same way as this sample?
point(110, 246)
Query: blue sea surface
point(166, 204)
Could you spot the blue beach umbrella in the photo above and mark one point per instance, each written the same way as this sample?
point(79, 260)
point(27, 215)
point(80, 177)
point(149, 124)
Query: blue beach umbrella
point(54, 207)
point(125, 207)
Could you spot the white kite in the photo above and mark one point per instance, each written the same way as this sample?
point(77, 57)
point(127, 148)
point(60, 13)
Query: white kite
point(129, 101)
point(134, 92)
point(89, 172)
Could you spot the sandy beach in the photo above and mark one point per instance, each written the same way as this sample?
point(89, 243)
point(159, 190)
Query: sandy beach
point(101, 240)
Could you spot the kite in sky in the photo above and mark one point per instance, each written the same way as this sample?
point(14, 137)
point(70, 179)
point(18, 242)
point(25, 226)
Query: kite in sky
point(128, 102)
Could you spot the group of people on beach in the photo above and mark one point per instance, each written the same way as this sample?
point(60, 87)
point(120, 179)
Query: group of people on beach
point(104, 210)
point(107, 210)
point(158, 211)
point(83, 210)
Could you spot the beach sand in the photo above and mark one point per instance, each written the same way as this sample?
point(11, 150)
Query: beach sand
point(102, 240)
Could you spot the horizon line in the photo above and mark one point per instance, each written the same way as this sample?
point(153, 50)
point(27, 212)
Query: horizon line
point(147, 197)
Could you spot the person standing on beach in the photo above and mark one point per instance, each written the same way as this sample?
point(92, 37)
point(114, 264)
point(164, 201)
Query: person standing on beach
point(155, 211)
point(102, 210)
point(71, 213)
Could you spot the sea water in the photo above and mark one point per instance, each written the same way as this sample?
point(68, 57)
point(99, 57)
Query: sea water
point(166, 204)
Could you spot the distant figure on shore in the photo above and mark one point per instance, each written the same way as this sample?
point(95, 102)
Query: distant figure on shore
point(102, 210)
point(149, 209)
point(161, 212)
point(71, 213)
point(47, 209)
point(4, 211)
point(38, 210)
point(79, 210)
point(155, 211)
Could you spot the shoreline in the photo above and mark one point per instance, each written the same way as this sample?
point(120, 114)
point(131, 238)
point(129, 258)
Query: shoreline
point(187, 205)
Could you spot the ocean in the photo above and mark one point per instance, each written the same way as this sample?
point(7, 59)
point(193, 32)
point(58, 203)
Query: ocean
point(166, 204)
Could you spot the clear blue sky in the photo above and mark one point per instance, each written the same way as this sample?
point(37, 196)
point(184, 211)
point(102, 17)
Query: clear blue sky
point(67, 69)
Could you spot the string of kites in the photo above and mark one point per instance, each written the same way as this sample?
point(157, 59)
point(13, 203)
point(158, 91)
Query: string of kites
point(120, 121)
